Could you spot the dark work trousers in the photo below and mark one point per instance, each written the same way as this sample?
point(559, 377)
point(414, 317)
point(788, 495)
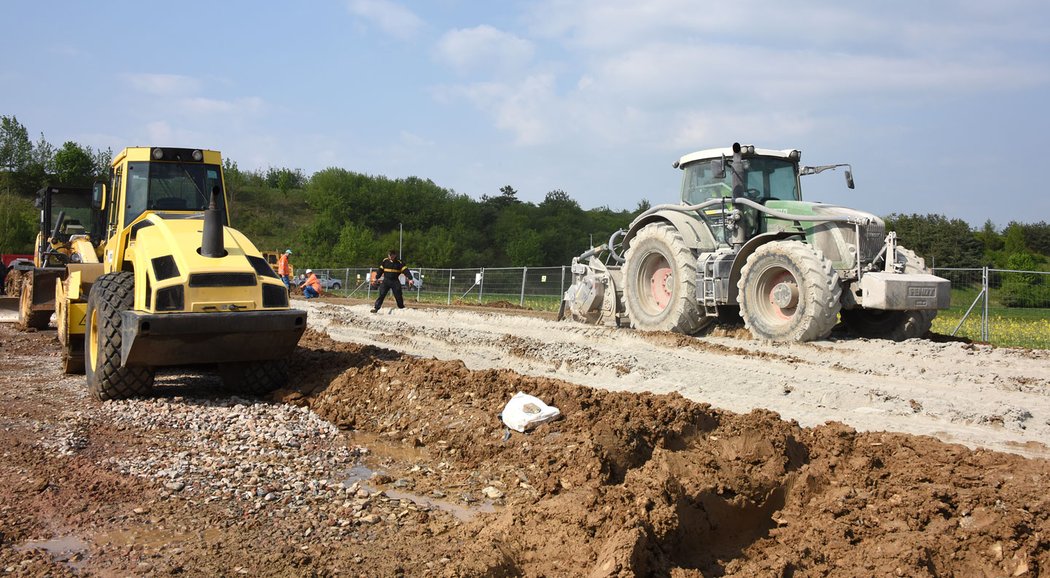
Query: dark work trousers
point(388, 286)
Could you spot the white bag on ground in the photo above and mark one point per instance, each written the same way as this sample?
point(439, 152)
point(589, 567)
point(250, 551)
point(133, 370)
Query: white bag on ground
point(524, 412)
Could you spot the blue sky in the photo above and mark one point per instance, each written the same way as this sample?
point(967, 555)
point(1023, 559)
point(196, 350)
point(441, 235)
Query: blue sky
point(941, 107)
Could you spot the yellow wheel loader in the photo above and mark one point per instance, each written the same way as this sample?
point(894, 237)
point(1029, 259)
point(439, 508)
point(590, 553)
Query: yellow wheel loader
point(175, 284)
point(68, 230)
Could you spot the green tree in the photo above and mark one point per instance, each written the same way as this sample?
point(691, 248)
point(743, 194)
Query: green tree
point(74, 165)
point(354, 248)
point(525, 248)
point(17, 224)
point(15, 149)
point(946, 242)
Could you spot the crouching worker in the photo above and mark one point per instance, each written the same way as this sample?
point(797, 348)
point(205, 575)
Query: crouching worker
point(389, 279)
point(311, 287)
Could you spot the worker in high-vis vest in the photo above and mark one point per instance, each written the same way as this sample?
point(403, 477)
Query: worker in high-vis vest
point(312, 287)
point(284, 268)
point(388, 278)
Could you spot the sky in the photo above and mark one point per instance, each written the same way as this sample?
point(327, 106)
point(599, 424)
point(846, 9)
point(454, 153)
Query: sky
point(935, 104)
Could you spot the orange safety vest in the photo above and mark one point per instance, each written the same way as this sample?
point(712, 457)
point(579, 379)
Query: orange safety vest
point(313, 282)
point(282, 265)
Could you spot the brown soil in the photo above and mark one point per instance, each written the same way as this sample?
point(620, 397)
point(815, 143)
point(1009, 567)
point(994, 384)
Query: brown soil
point(624, 484)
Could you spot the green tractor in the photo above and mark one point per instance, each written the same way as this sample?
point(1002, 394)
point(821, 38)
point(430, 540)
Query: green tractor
point(743, 241)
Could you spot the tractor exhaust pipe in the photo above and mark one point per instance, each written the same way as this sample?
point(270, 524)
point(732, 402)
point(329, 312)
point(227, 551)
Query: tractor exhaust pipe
point(211, 243)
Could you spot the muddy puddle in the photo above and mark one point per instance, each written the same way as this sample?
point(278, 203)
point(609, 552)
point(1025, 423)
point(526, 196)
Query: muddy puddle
point(376, 472)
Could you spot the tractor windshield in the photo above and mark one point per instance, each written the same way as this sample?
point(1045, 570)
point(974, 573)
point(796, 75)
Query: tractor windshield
point(764, 178)
point(75, 209)
point(162, 186)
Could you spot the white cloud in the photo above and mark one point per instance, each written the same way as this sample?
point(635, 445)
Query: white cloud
point(483, 48)
point(202, 105)
point(523, 108)
point(390, 17)
point(163, 84)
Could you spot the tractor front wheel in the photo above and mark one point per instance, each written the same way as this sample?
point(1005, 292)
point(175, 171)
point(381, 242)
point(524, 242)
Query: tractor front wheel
point(107, 379)
point(660, 282)
point(788, 291)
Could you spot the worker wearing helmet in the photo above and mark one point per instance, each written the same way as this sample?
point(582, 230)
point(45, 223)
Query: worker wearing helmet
point(284, 268)
point(389, 279)
point(311, 287)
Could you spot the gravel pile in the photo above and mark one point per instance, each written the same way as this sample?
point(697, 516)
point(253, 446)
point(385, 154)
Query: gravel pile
point(280, 460)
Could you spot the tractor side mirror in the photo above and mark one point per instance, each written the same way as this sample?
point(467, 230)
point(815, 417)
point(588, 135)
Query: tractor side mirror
point(849, 178)
point(720, 168)
point(98, 192)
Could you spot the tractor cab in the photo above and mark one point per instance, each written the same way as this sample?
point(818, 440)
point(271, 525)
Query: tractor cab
point(761, 175)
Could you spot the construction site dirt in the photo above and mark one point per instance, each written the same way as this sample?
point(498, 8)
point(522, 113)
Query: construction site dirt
point(674, 456)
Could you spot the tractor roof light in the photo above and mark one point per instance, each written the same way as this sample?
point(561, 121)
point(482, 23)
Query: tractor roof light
point(158, 153)
point(795, 155)
point(198, 156)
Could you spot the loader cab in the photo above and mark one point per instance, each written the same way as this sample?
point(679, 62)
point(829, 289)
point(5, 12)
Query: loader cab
point(175, 183)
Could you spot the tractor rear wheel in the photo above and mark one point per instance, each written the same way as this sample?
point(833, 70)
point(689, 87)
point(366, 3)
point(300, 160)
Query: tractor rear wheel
point(27, 318)
point(253, 377)
point(660, 282)
point(107, 379)
point(788, 291)
point(895, 325)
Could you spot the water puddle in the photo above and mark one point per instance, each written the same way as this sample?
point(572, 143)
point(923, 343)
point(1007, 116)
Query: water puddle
point(70, 550)
point(462, 512)
point(382, 450)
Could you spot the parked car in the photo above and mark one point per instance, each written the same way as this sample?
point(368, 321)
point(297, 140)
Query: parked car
point(417, 280)
point(329, 283)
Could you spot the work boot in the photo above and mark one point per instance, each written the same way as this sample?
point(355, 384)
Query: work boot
point(374, 310)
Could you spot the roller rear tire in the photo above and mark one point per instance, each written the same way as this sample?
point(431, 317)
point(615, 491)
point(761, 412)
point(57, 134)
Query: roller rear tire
point(254, 377)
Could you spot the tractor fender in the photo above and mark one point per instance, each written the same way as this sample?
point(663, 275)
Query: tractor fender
point(745, 251)
point(696, 234)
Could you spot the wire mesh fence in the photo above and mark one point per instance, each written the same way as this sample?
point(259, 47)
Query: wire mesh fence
point(1003, 307)
point(998, 306)
point(538, 288)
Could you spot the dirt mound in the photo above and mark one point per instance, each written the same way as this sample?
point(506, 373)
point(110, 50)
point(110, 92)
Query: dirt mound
point(643, 484)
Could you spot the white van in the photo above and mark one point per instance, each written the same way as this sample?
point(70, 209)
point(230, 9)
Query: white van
point(417, 280)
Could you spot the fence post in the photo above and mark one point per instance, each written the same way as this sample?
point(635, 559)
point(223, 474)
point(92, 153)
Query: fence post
point(449, 302)
point(562, 280)
point(984, 318)
point(521, 302)
point(481, 285)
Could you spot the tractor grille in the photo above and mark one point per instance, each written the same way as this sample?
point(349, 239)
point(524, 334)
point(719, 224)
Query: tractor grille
point(222, 280)
point(872, 238)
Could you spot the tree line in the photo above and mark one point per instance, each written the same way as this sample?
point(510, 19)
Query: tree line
point(340, 218)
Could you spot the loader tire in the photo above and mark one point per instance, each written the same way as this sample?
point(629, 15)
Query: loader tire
point(894, 325)
point(72, 345)
point(660, 282)
point(253, 377)
point(788, 291)
point(111, 294)
point(27, 318)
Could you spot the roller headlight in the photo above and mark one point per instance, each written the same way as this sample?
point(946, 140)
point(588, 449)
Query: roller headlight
point(198, 156)
point(158, 154)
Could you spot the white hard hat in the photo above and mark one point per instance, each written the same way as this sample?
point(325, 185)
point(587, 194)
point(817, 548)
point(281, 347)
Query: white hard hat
point(308, 271)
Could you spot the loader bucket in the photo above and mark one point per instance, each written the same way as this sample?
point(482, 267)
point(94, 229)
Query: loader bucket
point(8, 309)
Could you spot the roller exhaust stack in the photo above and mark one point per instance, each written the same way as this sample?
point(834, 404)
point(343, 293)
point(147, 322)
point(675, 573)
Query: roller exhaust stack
point(211, 244)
